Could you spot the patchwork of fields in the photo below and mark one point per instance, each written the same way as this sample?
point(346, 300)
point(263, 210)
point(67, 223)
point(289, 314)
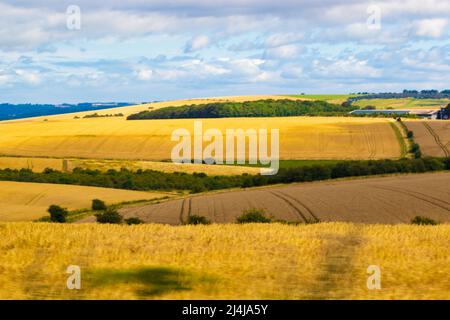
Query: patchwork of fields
point(394, 199)
point(432, 136)
point(265, 261)
point(20, 201)
point(405, 103)
point(115, 138)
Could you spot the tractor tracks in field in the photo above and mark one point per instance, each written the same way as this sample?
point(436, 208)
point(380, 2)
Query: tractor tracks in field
point(186, 204)
point(437, 139)
point(420, 196)
point(286, 200)
point(336, 277)
point(306, 208)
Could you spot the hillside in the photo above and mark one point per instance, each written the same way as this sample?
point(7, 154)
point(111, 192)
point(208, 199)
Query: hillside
point(395, 199)
point(259, 108)
point(22, 201)
point(119, 139)
point(432, 136)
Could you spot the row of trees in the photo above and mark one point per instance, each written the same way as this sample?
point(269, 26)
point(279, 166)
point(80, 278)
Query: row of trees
point(198, 182)
point(260, 108)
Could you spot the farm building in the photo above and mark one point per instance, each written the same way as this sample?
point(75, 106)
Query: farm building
point(442, 114)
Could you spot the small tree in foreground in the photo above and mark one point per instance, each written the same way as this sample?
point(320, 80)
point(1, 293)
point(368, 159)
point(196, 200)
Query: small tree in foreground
point(98, 205)
point(133, 220)
point(57, 214)
point(197, 220)
point(109, 216)
point(420, 220)
point(253, 216)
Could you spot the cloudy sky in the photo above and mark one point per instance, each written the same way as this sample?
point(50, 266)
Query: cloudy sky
point(138, 50)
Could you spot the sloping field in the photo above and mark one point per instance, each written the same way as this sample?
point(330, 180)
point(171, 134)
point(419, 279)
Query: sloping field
point(395, 199)
point(432, 136)
point(40, 164)
point(258, 261)
point(116, 138)
point(23, 201)
point(405, 103)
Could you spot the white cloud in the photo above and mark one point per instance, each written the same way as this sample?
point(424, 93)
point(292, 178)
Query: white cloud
point(197, 43)
point(279, 39)
point(283, 52)
point(433, 28)
point(343, 68)
point(144, 74)
point(29, 76)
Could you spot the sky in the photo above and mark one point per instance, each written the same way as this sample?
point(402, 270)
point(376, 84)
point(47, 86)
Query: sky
point(54, 51)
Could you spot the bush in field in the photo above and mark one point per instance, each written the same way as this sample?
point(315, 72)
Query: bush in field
point(133, 220)
point(98, 205)
point(420, 220)
point(410, 134)
point(57, 214)
point(194, 219)
point(109, 216)
point(253, 216)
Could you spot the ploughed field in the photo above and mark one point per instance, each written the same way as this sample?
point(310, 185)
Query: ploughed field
point(116, 138)
point(389, 200)
point(432, 136)
point(254, 261)
point(24, 201)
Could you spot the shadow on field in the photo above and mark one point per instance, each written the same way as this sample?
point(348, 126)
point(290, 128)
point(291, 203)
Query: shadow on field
point(151, 281)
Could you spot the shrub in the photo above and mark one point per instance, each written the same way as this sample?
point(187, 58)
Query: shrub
point(410, 134)
point(194, 219)
point(57, 214)
point(253, 216)
point(133, 220)
point(109, 216)
point(98, 205)
point(420, 220)
point(312, 221)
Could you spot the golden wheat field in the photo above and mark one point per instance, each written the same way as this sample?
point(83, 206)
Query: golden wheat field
point(388, 200)
point(432, 136)
point(255, 261)
point(37, 164)
point(24, 201)
point(116, 138)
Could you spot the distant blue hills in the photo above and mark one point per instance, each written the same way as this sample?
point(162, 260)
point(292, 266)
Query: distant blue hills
point(17, 111)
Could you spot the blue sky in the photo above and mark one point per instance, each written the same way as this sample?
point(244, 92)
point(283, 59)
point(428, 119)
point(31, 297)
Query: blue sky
point(139, 50)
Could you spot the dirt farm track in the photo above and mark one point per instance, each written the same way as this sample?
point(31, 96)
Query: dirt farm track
point(389, 200)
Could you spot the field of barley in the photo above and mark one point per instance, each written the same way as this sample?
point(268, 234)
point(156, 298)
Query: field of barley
point(256, 261)
point(118, 139)
point(388, 200)
point(23, 201)
point(432, 136)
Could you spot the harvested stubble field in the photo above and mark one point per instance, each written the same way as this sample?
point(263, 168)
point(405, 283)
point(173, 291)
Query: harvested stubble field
point(388, 200)
point(23, 201)
point(432, 136)
point(256, 261)
point(116, 138)
point(37, 164)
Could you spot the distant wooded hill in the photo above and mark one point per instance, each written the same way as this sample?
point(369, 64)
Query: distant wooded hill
point(259, 108)
point(16, 111)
